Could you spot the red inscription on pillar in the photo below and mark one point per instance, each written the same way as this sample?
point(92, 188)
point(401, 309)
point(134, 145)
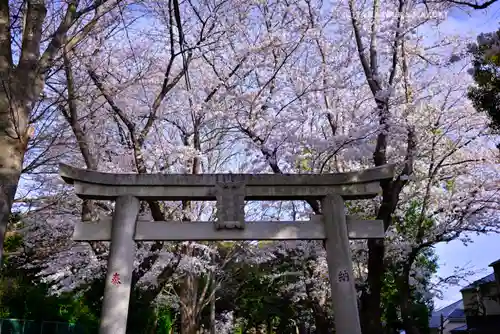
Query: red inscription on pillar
point(116, 279)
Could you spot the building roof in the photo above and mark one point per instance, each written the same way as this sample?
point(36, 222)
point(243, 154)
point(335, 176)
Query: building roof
point(459, 329)
point(457, 315)
point(494, 263)
point(486, 279)
point(452, 312)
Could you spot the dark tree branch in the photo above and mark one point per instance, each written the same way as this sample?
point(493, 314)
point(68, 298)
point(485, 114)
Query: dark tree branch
point(474, 5)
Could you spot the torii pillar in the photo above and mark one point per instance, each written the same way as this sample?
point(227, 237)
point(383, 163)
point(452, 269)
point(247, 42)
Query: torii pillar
point(230, 191)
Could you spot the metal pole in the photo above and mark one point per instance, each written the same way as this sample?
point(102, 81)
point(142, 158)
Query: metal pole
point(120, 266)
point(338, 254)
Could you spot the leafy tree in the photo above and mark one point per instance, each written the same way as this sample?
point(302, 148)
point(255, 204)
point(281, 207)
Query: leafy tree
point(420, 306)
point(273, 294)
point(486, 73)
point(21, 294)
point(21, 297)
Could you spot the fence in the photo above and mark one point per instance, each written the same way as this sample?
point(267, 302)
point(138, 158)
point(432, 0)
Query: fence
point(23, 326)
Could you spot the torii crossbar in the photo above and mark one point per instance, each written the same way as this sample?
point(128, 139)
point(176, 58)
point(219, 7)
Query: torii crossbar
point(230, 191)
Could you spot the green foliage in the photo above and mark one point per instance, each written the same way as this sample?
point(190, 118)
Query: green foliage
point(166, 320)
point(257, 295)
point(12, 242)
point(305, 162)
point(359, 210)
point(21, 297)
point(413, 221)
point(145, 318)
point(390, 299)
point(486, 73)
point(259, 300)
point(437, 132)
point(420, 305)
point(238, 329)
point(413, 224)
point(450, 185)
point(15, 218)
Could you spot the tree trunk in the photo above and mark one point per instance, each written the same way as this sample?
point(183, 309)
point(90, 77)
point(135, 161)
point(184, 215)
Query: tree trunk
point(14, 136)
point(212, 311)
point(321, 321)
point(403, 284)
point(408, 322)
point(189, 300)
point(371, 308)
point(301, 328)
point(20, 88)
point(371, 298)
point(71, 115)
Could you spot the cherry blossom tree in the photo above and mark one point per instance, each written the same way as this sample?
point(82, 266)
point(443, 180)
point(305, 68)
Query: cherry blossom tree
point(275, 87)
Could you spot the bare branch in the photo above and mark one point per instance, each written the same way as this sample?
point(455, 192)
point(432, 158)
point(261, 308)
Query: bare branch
point(374, 85)
point(58, 38)
point(395, 46)
point(373, 39)
point(474, 5)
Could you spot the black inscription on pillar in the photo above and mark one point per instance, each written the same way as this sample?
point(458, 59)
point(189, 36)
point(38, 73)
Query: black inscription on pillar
point(343, 276)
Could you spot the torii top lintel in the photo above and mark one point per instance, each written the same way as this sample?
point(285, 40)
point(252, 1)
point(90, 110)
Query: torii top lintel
point(351, 185)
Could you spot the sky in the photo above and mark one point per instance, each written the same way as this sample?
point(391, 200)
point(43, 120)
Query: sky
point(485, 248)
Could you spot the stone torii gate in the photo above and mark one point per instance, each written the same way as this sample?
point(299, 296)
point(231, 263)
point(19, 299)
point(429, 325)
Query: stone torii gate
point(230, 191)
